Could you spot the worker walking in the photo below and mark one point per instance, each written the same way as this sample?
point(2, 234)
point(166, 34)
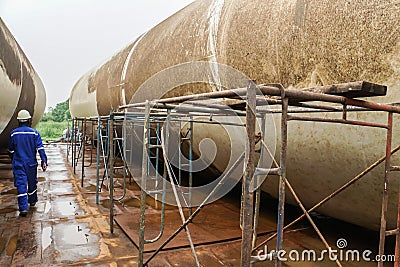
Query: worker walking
point(22, 148)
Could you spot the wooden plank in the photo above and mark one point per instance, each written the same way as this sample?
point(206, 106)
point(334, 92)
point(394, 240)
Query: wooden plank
point(351, 89)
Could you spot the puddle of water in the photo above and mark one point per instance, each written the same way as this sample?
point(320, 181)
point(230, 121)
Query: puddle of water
point(65, 208)
point(60, 190)
point(7, 210)
point(46, 237)
point(75, 234)
point(12, 245)
point(47, 207)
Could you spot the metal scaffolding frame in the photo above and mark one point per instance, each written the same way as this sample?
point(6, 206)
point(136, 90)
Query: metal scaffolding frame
point(339, 98)
point(107, 142)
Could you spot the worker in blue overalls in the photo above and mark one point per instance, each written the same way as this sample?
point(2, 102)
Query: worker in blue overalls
point(24, 143)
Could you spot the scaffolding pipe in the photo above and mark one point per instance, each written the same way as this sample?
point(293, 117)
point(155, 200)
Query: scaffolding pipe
point(310, 219)
point(191, 217)
point(83, 150)
point(397, 248)
point(99, 143)
point(73, 141)
point(190, 163)
point(248, 202)
point(282, 180)
point(299, 95)
point(382, 232)
point(258, 191)
point(178, 203)
point(142, 219)
point(342, 121)
point(111, 164)
point(342, 188)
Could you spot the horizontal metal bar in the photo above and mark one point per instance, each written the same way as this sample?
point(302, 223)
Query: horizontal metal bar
point(299, 95)
point(313, 110)
point(263, 171)
point(395, 168)
point(119, 168)
point(342, 121)
point(155, 146)
point(154, 191)
point(392, 232)
point(212, 122)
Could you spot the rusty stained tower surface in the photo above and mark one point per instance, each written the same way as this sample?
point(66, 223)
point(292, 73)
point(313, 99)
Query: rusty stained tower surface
point(296, 43)
point(20, 85)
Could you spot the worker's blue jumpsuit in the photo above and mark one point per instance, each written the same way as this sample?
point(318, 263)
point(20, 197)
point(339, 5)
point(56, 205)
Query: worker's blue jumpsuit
point(23, 145)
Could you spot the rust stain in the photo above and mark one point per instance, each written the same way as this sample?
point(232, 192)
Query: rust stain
point(299, 44)
point(21, 72)
point(26, 101)
point(9, 62)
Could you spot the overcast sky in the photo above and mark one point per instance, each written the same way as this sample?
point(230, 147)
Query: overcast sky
point(63, 39)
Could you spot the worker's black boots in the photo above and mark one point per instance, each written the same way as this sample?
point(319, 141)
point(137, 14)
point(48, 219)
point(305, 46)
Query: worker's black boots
point(23, 213)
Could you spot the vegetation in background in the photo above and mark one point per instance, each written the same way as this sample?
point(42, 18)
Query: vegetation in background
point(53, 122)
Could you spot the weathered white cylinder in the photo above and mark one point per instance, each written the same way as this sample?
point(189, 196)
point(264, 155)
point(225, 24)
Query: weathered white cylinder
point(20, 85)
point(298, 44)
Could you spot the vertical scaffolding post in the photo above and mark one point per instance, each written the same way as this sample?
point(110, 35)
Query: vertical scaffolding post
point(397, 248)
point(142, 220)
point(68, 142)
point(83, 150)
point(74, 134)
point(111, 171)
point(99, 143)
point(180, 153)
point(190, 164)
point(258, 191)
point(282, 180)
point(382, 233)
point(247, 207)
point(157, 158)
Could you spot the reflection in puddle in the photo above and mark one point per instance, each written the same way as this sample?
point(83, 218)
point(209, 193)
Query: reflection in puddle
point(12, 245)
point(60, 190)
point(65, 208)
point(46, 237)
point(47, 207)
point(75, 234)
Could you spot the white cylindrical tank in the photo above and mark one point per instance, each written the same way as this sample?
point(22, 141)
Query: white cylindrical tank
point(299, 43)
point(20, 85)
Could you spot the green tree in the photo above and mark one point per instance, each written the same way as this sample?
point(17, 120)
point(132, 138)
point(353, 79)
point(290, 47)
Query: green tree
point(58, 114)
point(54, 121)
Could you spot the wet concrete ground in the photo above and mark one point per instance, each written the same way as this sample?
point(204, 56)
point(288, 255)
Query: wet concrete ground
point(67, 228)
point(63, 228)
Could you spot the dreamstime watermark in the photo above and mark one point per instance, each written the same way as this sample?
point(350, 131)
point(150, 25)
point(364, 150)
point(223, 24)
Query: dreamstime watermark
point(219, 139)
point(309, 255)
